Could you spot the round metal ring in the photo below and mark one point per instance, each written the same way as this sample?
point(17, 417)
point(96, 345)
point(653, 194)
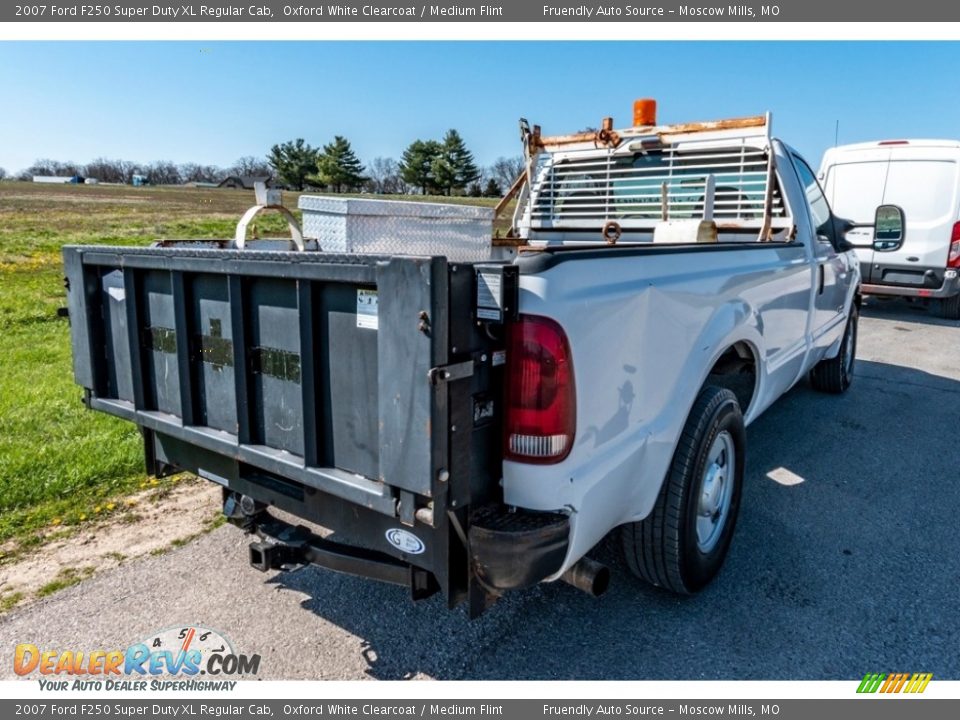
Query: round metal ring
point(611, 232)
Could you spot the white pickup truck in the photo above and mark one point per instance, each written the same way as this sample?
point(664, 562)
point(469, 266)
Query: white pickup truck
point(476, 427)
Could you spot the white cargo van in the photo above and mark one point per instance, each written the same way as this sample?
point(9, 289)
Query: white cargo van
point(921, 176)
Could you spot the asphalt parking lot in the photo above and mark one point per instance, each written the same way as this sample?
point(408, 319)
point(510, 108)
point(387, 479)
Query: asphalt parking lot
point(849, 563)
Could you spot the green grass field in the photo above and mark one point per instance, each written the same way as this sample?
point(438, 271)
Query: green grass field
point(60, 464)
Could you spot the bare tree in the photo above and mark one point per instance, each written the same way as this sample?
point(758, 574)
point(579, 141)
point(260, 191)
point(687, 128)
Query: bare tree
point(163, 172)
point(3, 173)
point(109, 171)
point(250, 165)
point(505, 170)
point(192, 172)
point(45, 166)
point(384, 177)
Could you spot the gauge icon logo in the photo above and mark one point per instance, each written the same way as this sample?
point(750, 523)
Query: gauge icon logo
point(192, 649)
point(190, 637)
point(405, 541)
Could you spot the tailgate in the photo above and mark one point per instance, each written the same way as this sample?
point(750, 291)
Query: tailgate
point(294, 370)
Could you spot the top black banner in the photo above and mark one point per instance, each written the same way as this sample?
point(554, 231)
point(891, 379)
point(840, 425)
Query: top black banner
point(470, 11)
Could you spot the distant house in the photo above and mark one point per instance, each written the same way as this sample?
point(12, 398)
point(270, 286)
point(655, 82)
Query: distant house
point(245, 182)
point(57, 179)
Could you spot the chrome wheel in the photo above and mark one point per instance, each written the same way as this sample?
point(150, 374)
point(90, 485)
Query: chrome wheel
point(716, 491)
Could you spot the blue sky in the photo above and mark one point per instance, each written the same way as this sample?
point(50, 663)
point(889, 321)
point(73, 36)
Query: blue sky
point(212, 102)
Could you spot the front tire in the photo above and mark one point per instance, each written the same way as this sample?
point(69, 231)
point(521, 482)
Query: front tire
point(835, 375)
point(681, 545)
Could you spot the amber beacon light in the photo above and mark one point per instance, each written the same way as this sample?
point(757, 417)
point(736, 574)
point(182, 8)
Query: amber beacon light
point(644, 112)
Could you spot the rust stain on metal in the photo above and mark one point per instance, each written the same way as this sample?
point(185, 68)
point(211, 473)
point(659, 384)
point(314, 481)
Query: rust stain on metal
point(766, 232)
point(611, 232)
point(571, 139)
point(608, 136)
point(729, 124)
point(514, 189)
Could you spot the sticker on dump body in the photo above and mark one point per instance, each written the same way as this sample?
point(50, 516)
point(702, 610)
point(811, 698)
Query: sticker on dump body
point(367, 316)
point(489, 296)
point(405, 541)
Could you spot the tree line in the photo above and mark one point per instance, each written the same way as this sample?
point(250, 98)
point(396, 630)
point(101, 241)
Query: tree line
point(429, 167)
point(162, 172)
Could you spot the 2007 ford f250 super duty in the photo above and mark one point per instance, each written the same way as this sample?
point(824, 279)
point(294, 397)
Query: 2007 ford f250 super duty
point(474, 427)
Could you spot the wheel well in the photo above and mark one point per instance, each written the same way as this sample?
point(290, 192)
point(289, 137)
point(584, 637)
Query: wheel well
point(736, 370)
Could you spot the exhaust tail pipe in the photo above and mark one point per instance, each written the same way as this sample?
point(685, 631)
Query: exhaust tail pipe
point(588, 575)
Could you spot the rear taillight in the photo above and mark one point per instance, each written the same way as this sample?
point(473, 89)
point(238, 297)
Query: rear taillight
point(953, 258)
point(541, 399)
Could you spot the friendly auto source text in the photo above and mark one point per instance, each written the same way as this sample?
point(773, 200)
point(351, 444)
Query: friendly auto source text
point(603, 10)
point(584, 710)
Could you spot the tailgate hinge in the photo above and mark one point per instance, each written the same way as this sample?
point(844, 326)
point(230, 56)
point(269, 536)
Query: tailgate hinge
point(449, 373)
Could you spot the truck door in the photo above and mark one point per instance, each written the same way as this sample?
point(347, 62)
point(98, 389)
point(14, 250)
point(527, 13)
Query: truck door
point(831, 268)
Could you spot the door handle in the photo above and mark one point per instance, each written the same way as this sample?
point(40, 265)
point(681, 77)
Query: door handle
point(820, 280)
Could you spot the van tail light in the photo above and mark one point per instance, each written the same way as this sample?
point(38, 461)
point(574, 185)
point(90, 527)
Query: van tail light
point(541, 399)
point(953, 258)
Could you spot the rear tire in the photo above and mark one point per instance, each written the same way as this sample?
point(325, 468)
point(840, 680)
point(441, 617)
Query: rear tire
point(950, 308)
point(681, 545)
point(836, 374)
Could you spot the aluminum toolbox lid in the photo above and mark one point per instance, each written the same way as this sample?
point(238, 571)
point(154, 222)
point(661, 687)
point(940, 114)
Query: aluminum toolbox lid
point(393, 208)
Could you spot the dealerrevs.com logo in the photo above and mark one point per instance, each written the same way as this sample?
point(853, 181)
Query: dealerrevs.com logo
point(182, 658)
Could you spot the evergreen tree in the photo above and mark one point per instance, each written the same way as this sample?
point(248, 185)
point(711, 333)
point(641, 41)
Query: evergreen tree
point(444, 173)
point(338, 167)
point(492, 189)
point(417, 164)
point(293, 162)
point(462, 169)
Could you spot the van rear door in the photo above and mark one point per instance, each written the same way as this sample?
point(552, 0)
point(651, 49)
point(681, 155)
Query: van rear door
point(923, 181)
point(853, 182)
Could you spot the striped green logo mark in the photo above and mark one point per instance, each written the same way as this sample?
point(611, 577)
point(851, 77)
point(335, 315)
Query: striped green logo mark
point(894, 682)
point(871, 682)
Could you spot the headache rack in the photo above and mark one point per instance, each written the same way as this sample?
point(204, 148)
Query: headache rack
point(603, 185)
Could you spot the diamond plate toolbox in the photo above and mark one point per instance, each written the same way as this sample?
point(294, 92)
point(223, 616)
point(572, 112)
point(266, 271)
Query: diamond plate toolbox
point(461, 233)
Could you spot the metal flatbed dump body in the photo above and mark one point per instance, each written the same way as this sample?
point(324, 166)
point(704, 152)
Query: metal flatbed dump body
point(359, 392)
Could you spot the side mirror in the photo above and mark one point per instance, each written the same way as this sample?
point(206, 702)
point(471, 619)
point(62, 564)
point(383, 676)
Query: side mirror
point(889, 228)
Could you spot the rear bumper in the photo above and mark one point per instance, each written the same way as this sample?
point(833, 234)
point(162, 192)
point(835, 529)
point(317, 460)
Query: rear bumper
point(949, 288)
point(281, 544)
point(474, 554)
point(512, 549)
